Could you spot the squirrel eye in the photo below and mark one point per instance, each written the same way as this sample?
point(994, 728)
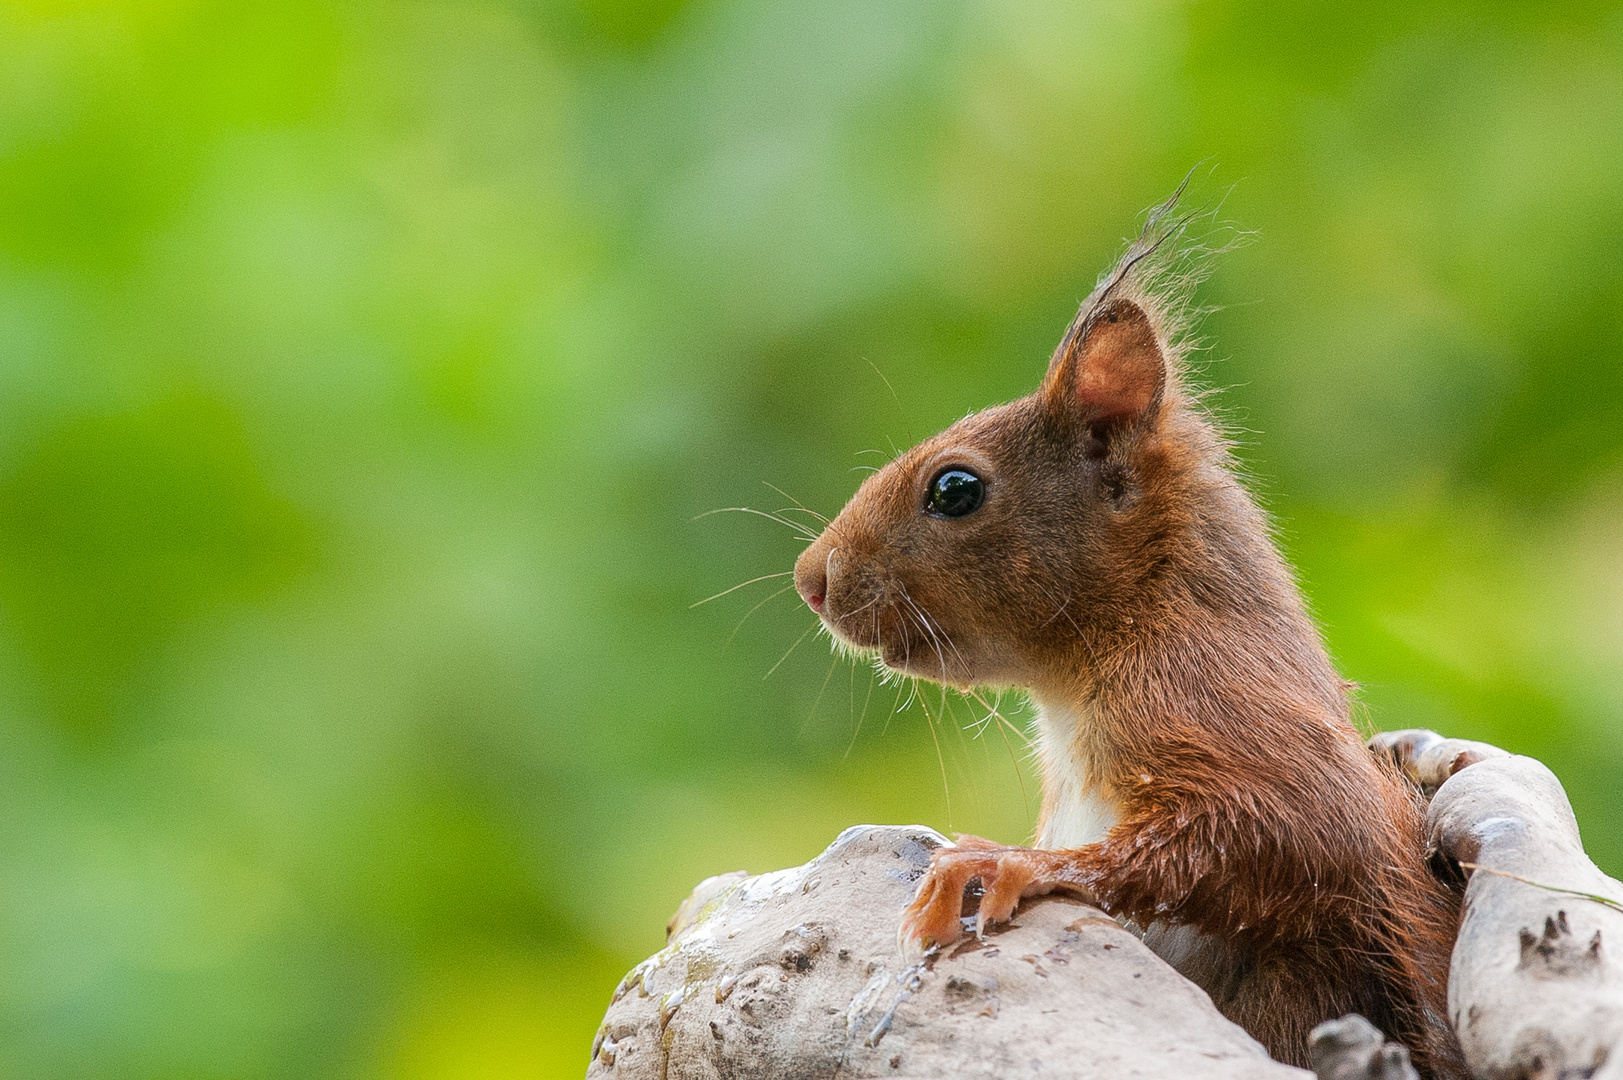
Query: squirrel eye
point(955, 493)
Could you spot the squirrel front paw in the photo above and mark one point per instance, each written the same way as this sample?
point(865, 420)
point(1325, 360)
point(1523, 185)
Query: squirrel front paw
point(1006, 874)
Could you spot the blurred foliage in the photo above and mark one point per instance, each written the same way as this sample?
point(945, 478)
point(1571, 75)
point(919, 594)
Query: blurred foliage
point(364, 368)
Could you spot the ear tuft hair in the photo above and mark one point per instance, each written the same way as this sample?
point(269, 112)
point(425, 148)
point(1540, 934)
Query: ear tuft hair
point(1124, 352)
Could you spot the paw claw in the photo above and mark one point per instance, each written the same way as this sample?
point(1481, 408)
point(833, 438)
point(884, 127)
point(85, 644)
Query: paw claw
point(917, 936)
point(932, 919)
point(909, 945)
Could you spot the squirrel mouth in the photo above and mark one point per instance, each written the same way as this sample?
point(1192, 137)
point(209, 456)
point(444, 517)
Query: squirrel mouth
point(864, 638)
point(906, 646)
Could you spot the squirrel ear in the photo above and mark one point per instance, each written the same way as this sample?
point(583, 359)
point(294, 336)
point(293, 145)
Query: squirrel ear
point(1110, 369)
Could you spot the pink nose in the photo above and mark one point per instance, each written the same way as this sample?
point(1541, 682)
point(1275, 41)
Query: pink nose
point(811, 576)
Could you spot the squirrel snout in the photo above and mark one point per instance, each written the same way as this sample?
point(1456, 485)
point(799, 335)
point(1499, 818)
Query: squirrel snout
point(811, 575)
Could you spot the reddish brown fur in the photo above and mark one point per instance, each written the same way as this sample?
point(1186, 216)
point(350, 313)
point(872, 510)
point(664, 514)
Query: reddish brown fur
point(1120, 573)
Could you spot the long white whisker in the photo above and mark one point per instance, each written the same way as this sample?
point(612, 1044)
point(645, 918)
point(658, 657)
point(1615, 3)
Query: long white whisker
point(1004, 722)
point(798, 504)
point(860, 610)
point(798, 529)
point(832, 664)
point(882, 378)
point(815, 624)
point(740, 585)
point(753, 610)
point(938, 635)
point(1020, 778)
point(946, 789)
point(856, 720)
point(895, 708)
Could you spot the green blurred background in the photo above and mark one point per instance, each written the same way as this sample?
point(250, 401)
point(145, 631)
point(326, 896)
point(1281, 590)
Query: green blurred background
point(364, 366)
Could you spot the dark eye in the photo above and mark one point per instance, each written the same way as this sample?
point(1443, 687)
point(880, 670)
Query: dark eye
point(955, 493)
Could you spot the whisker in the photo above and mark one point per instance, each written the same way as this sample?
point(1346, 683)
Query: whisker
point(946, 789)
point(907, 661)
point(803, 510)
point(1019, 777)
point(851, 690)
point(740, 585)
point(923, 619)
point(873, 677)
point(950, 720)
point(1058, 611)
point(864, 607)
point(815, 624)
point(1003, 721)
point(798, 504)
point(796, 527)
point(926, 624)
point(832, 664)
point(901, 684)
point(882, 378)
point(937, 635)
point(754, 609)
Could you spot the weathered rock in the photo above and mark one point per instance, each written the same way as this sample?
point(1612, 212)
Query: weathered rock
point(798, 974)
point(1427, 758)
point(1352, 1048)
point(1536, 987)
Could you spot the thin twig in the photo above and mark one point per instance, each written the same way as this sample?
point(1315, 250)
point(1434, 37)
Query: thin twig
point(1596, 897)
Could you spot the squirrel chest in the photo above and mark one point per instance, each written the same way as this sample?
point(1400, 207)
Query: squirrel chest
point(1075, 811)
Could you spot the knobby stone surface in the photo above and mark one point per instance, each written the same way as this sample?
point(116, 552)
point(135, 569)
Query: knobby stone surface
point(1536, 986)
point(1352, 1048)
point(798, 974)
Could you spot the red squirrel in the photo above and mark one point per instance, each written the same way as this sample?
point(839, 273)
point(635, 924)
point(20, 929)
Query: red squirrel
point(1202, 780)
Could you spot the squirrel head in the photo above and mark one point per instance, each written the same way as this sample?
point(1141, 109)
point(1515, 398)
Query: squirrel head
point(1001, 549)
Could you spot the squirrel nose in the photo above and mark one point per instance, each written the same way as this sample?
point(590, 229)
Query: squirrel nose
point(811, 576)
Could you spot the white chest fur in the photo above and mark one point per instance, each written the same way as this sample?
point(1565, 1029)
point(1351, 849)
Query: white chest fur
point(1076, 814)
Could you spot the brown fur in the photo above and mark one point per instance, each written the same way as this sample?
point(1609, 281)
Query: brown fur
point(1119, 572)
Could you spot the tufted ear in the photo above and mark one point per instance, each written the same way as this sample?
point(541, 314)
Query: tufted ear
point(1110, 370)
